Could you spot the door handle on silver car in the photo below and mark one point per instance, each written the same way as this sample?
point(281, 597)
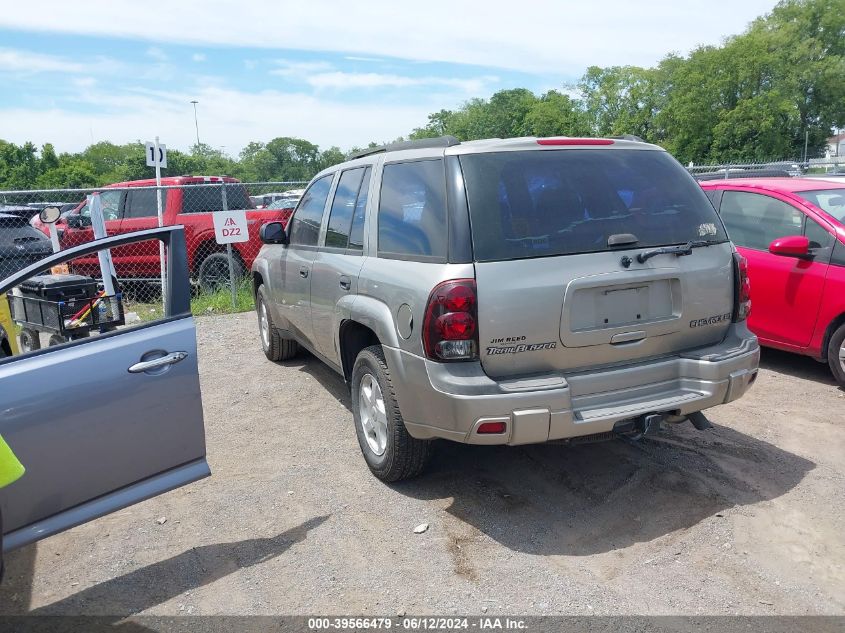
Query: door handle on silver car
point(157, 363)
point(345, 282)
point(303, 272)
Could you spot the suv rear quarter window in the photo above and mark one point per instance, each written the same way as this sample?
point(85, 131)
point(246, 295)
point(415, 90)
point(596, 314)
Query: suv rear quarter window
point(412, 211)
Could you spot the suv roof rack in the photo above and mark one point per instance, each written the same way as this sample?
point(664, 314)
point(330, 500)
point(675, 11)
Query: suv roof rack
point(628, 137)
point(439, 141)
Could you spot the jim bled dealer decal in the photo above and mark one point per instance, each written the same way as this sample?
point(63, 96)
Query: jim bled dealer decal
point(515, 345)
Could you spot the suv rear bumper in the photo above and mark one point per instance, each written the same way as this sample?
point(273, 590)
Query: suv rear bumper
point(451, 400)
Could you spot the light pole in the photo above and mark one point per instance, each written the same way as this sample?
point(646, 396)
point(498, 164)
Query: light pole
point(196, 124)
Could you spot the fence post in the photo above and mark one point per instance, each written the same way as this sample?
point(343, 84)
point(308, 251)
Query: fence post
point(161, 255)
point(230, 257)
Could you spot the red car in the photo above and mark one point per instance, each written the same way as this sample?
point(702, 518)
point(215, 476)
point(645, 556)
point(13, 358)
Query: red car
point(191, 205)
point(792, 232)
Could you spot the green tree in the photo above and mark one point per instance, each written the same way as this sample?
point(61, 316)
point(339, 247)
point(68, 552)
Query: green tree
point(556, 114)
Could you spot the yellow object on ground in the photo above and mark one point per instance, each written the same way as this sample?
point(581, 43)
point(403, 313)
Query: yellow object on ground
point(7, 324)
point(10, 468)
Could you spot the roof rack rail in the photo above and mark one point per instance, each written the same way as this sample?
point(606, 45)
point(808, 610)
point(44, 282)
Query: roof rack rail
point(423, 143)
point(628, 137)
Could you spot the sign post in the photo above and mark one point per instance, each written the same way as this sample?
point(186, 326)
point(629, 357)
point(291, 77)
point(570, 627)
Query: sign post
point(157, 157)
point(230, 227)
point(98, 225)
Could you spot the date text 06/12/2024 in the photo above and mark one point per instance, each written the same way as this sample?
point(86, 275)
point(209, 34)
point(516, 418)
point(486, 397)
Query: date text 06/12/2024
point(418, 624)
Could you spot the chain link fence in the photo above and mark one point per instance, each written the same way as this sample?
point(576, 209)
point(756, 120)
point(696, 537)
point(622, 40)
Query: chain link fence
point(780, 168)
point(218, 271)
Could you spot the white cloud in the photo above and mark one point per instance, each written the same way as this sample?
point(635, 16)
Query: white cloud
point(21, 61)
point(355, 58)
point(84, 82)
point(226, 117)
point(157, 54)
point(342, 80)
point(288, 68)
point(544, 36)
point(198, 57)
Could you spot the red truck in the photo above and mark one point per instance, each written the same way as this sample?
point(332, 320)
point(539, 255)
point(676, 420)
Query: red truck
point(127, 209)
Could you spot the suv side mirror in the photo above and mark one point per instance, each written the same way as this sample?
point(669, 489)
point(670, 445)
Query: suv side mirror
point(790, 246)
point(273, 233)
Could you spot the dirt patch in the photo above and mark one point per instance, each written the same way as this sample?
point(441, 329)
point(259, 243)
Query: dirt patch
point(743, 519)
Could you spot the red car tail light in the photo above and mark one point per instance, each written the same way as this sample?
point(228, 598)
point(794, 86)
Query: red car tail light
point(450, 329)
point(742, 289)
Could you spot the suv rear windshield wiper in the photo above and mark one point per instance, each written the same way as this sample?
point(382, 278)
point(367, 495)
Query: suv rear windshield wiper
point(680, 250)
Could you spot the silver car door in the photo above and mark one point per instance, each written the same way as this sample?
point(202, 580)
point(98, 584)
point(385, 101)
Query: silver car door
point(304, 231)
point(103, 422)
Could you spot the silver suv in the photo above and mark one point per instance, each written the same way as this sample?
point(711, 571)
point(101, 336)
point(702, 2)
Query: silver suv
point(509, 292)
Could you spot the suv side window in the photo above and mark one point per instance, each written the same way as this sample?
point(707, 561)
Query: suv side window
point(305, 223)
point(343, 207)
point(142, 203)
point(356, 233)
point(754, 220)
point(412, 210)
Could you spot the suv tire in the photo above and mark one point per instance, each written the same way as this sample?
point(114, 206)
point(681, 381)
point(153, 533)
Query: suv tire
point(389, 450)
point(275, 347)
point(836, 355)
point(213, 273)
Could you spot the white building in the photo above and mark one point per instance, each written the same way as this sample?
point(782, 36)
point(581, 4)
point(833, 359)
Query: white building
point(835, 146)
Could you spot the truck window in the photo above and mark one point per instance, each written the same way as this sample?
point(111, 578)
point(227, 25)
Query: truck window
point(412, 210)
point(356, 233)
point(207, 198)
point(559, 202)
point(142, 203)
point(305, 224)
point(343, 206)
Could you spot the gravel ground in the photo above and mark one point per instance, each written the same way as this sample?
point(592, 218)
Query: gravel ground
point(743, 519)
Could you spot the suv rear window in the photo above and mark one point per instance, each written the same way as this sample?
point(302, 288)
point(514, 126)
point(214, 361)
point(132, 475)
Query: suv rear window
point(412, 210)
point(559, 202)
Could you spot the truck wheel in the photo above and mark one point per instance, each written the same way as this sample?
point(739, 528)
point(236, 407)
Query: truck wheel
point(275, 347)
point(836, 355)
point(389, 450)
point(213, 272)
point(30, 341)
point(56, 339)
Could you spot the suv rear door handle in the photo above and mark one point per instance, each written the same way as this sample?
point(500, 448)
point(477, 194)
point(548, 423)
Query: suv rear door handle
point(157, 363)
point(303, 271)
point(345, 282)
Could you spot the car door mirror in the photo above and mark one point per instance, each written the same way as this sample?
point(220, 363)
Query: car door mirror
point(50, 215)
point(790, 246)
point(273, 233)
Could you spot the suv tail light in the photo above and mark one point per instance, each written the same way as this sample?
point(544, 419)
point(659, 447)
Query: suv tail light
point(742, 289)
point(450, 327)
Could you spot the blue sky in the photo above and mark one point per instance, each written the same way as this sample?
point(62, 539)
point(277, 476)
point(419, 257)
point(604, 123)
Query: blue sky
point(103, 70)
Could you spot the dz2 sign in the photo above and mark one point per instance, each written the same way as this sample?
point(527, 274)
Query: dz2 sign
point(230, 226)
